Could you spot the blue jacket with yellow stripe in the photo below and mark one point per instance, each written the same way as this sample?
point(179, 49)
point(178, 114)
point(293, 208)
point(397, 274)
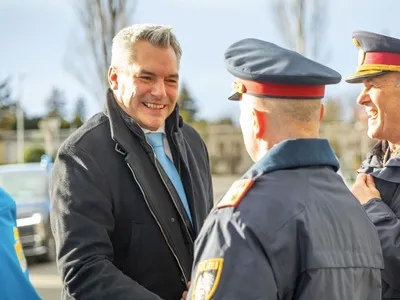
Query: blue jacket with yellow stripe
point(14, 277)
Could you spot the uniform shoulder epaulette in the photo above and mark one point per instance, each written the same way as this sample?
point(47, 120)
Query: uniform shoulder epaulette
point(235, 193)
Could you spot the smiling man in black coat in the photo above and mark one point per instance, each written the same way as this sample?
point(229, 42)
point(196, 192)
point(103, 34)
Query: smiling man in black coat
point(131, 187)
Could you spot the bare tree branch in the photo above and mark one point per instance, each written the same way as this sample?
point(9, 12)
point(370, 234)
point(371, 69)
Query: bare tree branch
point(318, 27)
point(281, 15)
point(302, 24)
point(99, 21)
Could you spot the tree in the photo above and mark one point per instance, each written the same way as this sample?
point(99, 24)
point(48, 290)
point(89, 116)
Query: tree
point(100, 21)
point(5, 93)
point(29, 122)
point(7, 105)
point(302, 24)
point(33, 154)
point(56, 104)
point(187, 105)
point(80, 112)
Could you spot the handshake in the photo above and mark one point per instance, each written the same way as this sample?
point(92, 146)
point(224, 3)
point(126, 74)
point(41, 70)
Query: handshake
point(184, 294)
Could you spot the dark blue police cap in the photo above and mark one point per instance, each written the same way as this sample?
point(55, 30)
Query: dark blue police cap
point(267, 70)
point(377, 55)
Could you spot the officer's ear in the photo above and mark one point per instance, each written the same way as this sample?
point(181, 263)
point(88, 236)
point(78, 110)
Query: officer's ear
point(113, 78)
point(322, 112)
point(259, 123)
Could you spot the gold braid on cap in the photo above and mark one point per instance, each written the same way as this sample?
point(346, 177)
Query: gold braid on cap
point(377, 68)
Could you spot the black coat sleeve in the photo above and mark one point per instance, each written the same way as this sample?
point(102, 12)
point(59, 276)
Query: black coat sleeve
point(388, 226)
point(82, 223)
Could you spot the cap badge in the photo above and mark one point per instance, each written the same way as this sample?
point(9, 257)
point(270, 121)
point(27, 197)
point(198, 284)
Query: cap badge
point(239, 87)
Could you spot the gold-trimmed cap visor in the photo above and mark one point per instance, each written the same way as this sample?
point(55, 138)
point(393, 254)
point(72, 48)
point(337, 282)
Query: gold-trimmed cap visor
point(359, 76)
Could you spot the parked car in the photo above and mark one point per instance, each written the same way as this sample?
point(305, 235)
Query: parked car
point(28, 185)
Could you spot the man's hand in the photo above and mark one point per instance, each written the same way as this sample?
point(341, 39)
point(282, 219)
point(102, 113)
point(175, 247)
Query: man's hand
point(364, 188)
point(184, 295)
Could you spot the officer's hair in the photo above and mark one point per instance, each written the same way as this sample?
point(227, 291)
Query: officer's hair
point(300, 110)
point(157, 35)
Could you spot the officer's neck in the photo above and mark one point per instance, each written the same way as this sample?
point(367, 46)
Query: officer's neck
point(290, 133)
point(270, 140)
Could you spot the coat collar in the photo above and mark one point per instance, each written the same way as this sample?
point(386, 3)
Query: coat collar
point(374, 164)
point(374, 158)
point(295, 153)
point(389, 171)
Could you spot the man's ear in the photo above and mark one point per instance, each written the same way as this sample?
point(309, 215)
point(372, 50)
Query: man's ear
point(113, 78)
point(259, 123)
point(322, 112)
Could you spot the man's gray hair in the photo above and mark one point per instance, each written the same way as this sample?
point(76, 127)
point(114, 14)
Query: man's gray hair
point(157, 35)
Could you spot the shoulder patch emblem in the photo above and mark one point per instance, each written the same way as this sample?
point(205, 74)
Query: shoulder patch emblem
point(207, 278)
point(235, 193)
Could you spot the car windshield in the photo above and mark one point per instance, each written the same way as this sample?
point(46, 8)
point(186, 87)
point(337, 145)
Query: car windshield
point(25, 186)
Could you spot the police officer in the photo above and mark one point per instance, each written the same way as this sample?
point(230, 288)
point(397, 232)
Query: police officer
point(379, 71)
point(289, 228)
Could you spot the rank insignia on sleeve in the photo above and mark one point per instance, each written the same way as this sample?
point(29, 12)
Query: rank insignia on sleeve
point(207, 278)
point(236, 192)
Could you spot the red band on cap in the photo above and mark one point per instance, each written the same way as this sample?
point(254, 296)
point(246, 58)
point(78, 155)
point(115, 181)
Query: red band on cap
point(382, 58)
point(282, 90)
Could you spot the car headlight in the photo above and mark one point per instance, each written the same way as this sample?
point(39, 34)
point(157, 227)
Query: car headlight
point(36, 218)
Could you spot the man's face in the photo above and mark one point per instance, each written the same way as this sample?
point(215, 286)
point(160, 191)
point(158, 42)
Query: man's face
point(247, 120)
point(147, 89)
point(381, 98)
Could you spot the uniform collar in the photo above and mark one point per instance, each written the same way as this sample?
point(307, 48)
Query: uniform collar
point(295, 153)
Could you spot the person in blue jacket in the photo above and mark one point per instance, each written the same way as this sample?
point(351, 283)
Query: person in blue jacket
point(14, 276)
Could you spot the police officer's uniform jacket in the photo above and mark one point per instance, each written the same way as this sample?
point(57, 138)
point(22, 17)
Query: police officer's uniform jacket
point(297, 233)
point(385, 213)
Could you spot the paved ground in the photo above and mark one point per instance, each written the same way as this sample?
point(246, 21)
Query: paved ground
point(45, 277)
point(46, 280)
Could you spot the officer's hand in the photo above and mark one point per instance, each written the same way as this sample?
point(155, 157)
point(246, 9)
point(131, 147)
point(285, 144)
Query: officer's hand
point(184, 295)
point(364, 188)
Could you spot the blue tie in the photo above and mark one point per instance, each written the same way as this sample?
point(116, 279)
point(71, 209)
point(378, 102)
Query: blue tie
point(157, 141)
